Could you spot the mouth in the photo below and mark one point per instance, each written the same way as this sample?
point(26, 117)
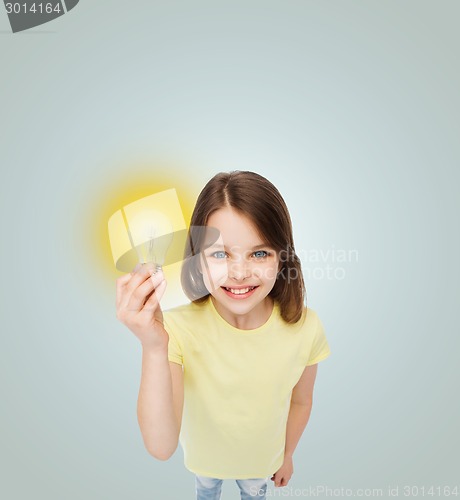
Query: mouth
point(239, 293)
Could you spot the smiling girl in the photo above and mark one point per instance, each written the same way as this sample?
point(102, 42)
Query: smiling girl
point(231, 374)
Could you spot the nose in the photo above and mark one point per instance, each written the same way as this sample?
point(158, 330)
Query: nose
point(238, 269)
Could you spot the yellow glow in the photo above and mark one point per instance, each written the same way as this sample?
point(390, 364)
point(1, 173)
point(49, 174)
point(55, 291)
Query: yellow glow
point(151, 229)
point(107, 195)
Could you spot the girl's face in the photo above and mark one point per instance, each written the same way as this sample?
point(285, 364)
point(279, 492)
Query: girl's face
point(239, 270)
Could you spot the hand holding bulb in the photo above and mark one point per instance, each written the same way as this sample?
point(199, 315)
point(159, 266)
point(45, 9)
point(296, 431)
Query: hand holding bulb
point(143, 231)
point(138, 306)
point(140, 292)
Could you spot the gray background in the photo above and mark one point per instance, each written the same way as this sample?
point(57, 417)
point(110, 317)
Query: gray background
point(350, 108)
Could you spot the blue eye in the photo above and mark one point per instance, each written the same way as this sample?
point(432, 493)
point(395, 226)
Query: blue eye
point(218, 255)
point(260, 254)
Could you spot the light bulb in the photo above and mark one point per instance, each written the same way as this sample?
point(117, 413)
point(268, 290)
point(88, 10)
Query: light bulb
point(155, 231)
point(149, 230)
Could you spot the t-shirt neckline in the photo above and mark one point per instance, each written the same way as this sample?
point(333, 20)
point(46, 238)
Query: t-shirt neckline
point(252, 331)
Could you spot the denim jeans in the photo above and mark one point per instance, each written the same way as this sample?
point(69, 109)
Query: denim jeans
point(209, 488)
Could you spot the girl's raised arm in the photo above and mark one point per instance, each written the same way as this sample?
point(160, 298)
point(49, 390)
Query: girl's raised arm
point(160, 401)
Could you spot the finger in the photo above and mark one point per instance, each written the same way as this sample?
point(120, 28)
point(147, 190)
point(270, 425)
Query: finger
point(137, 278)
point(136, 268)
point(122, 281)
point(154, 300)
point(157, 277)
point(140, 294)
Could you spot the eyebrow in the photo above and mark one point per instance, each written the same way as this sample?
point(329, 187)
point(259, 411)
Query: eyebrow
point(216, 245)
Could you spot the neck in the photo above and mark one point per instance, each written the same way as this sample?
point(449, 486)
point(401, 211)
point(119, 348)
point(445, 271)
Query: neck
point(249, 321)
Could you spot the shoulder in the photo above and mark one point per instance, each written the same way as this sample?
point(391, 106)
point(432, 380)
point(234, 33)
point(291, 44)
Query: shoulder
point(307, 326)
point(310, 315)
point(309, 318)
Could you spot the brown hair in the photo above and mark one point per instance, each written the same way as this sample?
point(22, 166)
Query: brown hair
point(258, 199)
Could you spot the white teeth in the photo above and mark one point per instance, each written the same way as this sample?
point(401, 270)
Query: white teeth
point(239, 291)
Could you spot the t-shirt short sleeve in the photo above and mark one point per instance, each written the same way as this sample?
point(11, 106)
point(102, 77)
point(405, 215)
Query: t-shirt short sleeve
point(174, 348)
point(320, 348)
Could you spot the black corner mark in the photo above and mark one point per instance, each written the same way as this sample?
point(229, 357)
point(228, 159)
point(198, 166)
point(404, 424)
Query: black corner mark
point(70, 4)
point(26, 14)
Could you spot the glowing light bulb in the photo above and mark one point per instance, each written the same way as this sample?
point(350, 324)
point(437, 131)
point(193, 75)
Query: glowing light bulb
point(149, 230)
point(156, 232)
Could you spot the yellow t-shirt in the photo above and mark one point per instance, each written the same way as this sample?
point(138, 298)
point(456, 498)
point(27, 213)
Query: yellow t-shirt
point(237, 387)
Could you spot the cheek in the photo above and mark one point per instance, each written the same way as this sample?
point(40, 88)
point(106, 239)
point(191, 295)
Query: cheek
point(266, 271)
point(214, 274)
